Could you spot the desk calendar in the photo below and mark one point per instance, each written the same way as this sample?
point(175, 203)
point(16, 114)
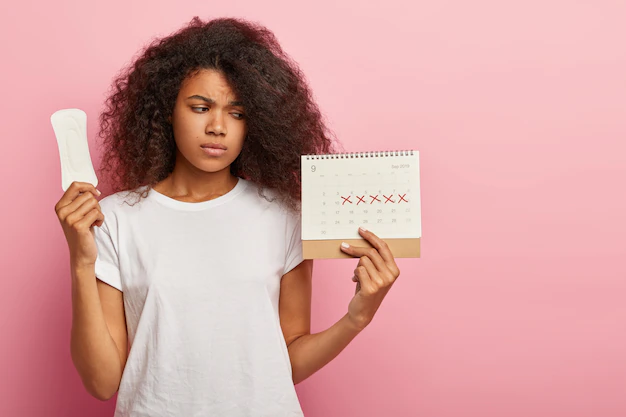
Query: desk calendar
point(377, 190)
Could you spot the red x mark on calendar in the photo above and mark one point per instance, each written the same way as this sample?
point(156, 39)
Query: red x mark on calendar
point(374, 198)
point(388, 198)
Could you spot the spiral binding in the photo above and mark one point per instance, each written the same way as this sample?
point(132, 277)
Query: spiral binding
point(370, 154)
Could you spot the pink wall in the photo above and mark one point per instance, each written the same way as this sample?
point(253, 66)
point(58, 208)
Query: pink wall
point(517, 307)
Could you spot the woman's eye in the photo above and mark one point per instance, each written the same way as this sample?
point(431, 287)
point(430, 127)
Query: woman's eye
point(238, 115)
point(201, 109)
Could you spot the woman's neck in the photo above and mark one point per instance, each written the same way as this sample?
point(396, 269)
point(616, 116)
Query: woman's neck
point(196, 187)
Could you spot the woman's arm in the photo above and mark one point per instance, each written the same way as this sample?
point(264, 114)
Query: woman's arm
point(308, 352)
point(98, 341)
point(98, 338)
point(375, 273)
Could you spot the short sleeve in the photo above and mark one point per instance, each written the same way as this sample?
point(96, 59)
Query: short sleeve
point(293, 255)
point(107, 262)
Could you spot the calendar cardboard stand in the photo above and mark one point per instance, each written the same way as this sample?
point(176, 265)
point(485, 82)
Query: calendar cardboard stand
point(329, 249)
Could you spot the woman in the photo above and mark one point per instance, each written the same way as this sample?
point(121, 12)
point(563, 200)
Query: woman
point(202, 274)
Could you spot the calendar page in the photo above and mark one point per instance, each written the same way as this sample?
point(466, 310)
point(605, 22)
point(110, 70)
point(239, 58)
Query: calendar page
point(377, 190)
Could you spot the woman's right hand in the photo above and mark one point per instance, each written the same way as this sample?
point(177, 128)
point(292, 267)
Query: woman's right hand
point(78, 210)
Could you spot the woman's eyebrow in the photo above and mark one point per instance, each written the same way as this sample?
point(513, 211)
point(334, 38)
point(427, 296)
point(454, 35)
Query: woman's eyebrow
point(211, 101)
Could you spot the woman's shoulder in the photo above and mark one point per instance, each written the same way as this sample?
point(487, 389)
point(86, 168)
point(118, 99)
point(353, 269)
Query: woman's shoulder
point(265, 198)
point(124, 200)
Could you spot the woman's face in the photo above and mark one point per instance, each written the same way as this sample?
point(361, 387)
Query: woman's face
point(208, 121)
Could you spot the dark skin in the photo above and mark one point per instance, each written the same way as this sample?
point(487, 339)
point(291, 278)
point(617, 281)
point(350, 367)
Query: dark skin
point(206, 111)
point(375, 273)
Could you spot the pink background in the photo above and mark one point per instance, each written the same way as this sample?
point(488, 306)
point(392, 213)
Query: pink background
point(517, 306)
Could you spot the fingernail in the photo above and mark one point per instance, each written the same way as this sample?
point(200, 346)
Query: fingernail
point(344, 245)
point(363, 229)
point(98, 191)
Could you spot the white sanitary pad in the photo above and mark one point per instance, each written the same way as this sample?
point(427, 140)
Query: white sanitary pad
point(70, 128)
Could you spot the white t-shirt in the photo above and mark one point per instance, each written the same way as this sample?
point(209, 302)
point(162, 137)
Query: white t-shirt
point(201, 283)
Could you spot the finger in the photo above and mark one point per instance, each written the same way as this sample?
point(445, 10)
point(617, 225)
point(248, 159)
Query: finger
point(358, 284)
point(365, 280)
point(69, 204)
point(375, 276)
point(383, 250)
point(372, 253)
point(89, 218)
point(376, 260)
point(378, 243)
point(76, 204)
point(99, 220)
point(73, 191)
point(65, 211)
point(89, 204)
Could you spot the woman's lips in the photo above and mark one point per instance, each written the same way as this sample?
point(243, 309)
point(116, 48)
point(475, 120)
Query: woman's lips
point(214, 151)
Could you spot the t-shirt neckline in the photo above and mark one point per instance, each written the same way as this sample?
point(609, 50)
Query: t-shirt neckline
point(202, 205)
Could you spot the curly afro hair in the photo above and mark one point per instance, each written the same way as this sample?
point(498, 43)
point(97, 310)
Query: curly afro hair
point(283, 120)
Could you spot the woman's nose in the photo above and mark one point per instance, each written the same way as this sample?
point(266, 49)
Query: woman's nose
point(216, 124)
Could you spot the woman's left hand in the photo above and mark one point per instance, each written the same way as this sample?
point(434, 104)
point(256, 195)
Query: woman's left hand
point(375, 274)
